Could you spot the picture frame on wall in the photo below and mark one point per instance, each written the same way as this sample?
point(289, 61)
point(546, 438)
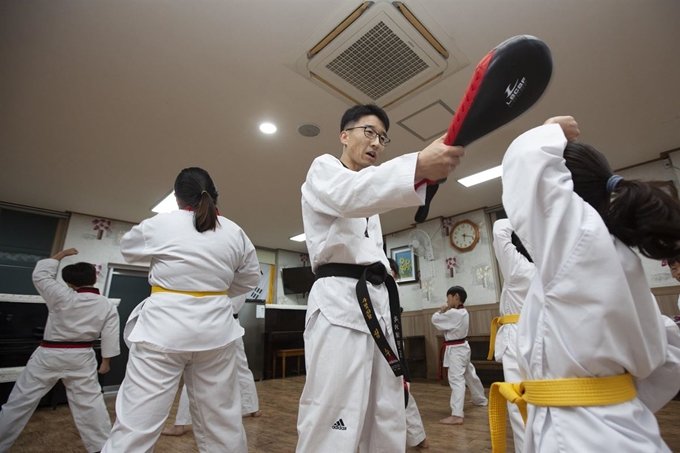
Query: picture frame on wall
point(407, 262)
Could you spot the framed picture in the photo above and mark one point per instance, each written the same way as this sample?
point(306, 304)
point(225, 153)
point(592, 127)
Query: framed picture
point(407, 262)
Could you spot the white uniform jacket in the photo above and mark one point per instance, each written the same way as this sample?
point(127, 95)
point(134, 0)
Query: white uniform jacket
point(340, 211)
point(183, 259)
point(73, 316)
point(589, 311)
point(455, 324)
point(518, 272)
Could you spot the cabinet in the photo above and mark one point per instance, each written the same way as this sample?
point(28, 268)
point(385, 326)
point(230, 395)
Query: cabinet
point(414, 350)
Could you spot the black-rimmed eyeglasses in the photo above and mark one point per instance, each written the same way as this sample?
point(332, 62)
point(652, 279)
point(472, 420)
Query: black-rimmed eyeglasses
point(370, 133)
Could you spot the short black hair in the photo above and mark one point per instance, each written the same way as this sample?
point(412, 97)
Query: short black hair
point(394, 266)
point(520, 247)
point(79, 274)
point(673, 260)
point(457, 290)
point(357, 112)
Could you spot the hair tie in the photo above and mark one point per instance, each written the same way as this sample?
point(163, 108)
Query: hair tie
point(612, 182)
point(204, 191)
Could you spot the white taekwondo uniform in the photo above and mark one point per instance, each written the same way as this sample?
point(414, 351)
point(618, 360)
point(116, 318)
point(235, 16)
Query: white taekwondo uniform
point(249, 400)
point(74, 317)
point(175, 333)
point(455, 323)
point(518, 272)
point(415, 431)
point(351, 399)
point(589, 311)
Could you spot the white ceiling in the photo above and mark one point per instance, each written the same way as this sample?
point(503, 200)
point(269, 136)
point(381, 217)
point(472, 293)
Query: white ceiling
point(102, 103)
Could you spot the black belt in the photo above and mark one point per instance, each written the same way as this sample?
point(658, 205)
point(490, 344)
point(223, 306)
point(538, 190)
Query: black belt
point(235, 315)
point(375, 273)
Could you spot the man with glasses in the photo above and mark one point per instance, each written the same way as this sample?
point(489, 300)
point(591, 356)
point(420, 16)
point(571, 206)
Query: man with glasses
point(354, 393)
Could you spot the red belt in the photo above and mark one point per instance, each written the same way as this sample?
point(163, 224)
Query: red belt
point(441, 354)
point(64, 344)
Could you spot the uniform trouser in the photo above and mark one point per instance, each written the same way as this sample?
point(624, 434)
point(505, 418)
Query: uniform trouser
point(148, 391)
point(77, 368)
point(415, 432)
point(351, 399)
point(462, 373)
point(511, 374)
point(249, 401)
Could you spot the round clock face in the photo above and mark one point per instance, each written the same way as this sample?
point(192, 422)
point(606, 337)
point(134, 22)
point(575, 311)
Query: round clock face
point(464, 236)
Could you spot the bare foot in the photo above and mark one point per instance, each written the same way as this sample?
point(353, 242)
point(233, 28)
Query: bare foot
point(452, 420)
point(256, 414)
point(177, 430)
point(423, 444)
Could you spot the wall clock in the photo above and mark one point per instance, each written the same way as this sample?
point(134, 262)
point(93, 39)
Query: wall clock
point(464, 235)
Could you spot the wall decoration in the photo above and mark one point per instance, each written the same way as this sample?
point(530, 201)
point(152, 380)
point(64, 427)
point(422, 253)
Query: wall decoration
point(446, 225)
point(304, 257)
point(408, 265)
point(450, 266)
point(482, 275)
point(101, 225)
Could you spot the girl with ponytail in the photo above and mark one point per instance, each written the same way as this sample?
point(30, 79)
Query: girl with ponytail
point(589, 320)
point(186, 327)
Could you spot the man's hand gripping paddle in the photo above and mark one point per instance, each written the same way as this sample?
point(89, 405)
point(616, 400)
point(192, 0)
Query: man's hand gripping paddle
point(506, 83)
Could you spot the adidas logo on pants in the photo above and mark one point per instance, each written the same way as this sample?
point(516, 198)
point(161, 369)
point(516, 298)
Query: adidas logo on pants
point(339, 425)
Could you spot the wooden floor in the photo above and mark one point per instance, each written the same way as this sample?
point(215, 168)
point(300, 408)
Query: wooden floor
point(275, 432)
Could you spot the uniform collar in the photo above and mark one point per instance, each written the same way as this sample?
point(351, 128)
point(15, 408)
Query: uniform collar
point(89, 289)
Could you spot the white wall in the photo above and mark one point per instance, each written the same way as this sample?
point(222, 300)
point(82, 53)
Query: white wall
point(285, 258)
point(100, 252)
point(657, 275)
point(474, 270)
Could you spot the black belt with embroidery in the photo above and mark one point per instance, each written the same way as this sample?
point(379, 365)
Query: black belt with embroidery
point(377, 274)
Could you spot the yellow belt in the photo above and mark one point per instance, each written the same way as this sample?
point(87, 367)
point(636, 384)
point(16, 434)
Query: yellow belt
point(160, 289)
point(576, 392)
point(507, 319)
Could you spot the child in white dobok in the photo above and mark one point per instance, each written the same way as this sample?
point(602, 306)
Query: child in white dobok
point(78, 315)
point(453, 319)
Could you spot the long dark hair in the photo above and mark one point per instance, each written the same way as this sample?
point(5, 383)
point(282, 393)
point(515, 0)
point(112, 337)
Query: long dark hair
point(194, 187)
point(639, 213)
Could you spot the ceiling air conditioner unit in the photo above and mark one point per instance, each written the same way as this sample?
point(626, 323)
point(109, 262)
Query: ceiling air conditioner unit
point(379, 52)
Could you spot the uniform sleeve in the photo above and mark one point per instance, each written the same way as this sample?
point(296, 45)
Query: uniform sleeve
point(56, 295)
point(336, 191)
point(452, 319)
point(663, 384)
point(507, 255)
point(539, 198)
point(133, 245)
point(247, 276)
point(111, 334)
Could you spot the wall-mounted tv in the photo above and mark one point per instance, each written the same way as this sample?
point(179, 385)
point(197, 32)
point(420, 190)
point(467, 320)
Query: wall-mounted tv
point(297, 280)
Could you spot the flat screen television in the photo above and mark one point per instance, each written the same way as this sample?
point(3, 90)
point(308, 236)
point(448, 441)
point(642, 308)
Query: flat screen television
point(297, 280)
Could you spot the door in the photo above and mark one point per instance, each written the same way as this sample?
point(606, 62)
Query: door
point(131, 287)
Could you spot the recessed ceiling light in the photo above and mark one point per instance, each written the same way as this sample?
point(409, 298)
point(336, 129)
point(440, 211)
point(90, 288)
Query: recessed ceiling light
point(298, 238)
point(267, 128)
point(168, 204)
point(482, 176)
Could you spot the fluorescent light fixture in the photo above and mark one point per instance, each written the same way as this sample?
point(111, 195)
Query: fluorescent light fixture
point(267, 128)
point(483, 176)
point(168, 204)
point(298, 238)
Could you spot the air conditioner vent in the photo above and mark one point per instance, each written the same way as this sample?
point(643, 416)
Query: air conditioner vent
point(377, 63)
point(379, 52)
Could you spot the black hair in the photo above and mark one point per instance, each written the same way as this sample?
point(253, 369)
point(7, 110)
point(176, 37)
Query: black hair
point(394, 266)
point(194, 187)
point(671, 261)
point(79, 274)
point(457, 290)
point(520, 247)
point(357, 112)
point(640, 214)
